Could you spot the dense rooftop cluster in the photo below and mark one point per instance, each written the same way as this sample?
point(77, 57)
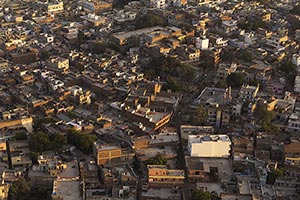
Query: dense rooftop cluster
point(151, 99)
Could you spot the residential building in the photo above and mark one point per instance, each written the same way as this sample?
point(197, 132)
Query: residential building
point(107, 155)
point(209, 145)
point(159, 175)
point(292, 153)
point(248, 92)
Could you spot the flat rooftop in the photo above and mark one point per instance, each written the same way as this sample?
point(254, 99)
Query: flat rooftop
point(212, 96)
point(67, 190)
point(161, 193)
point(129, 34)
point(204, 163)
point(208, 138)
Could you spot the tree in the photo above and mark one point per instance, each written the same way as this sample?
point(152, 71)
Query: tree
point(296, 10)
point(40, 142)
point(38, 193)
point(264, 117)
point(187, 72)
point(21, 136)
point(204, 195)
point(97, 47)
point(227, 54)
point(200, 117)
point(149, 20)
point(235, 80)
point(157, 160)
point(19, 190)
point(173, 84)
point(221, 84)
point(44, 55)
point(274, 174)
point(287, 67)
point(38, 122)
point(81, 141)
point(264, 2)
point(119, 4)
point(246, 56)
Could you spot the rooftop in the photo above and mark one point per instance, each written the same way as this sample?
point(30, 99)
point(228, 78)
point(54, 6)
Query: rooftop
point(204, 163)
point(67, 190)
point(208, 138)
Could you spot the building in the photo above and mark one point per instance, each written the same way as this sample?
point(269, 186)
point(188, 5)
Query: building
point(277, 41)
point(96, 6)
point(292, 153)
point(110, 154)
point(248, 92)
point(95, 20)
point(200, 169)
point(297, 84)
point(187, 130)
point(160, 4)
point(161, 194)
point(160, 176)
point(4, 189)
point(188, 53)
point(296, 59)
point(55, 7)
point(59, 63)
point(79, 96)
point(14, 119)
point(209, 145)
point(293, 123)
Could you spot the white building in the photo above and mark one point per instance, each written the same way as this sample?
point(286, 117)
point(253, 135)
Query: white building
point(297, 84)
point(248, 92)
point(47, 38)
point(249, 38)
point(276, 41)
point(202, 43)
point(296, 59)
point(160, 4)
point(294, 123)
point(209, 145)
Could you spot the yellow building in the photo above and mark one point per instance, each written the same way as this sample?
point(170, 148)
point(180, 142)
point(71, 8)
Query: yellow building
point(4, 188)
point(55, 7)
point(292, 153)
point(159, 175)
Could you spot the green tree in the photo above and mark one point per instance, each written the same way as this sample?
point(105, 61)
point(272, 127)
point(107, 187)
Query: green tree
point(39, 193)
point(21, 136)
point(265, 117)
point(149, 20)
point(173, 84)
point(44, 55)
point(246, 56)
point(97, 47)
point(227, 54)
point(204, 195)
point(40, 142)
point(243, 25)
point(221, 84)
point(157, 160)
point(81, 141)
point(19, 190)
point(187, 72)
point(38, 122)
point(296, 10)
point(235, 80)
point(200, 117)
point(274, 174)
point(287, 67)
